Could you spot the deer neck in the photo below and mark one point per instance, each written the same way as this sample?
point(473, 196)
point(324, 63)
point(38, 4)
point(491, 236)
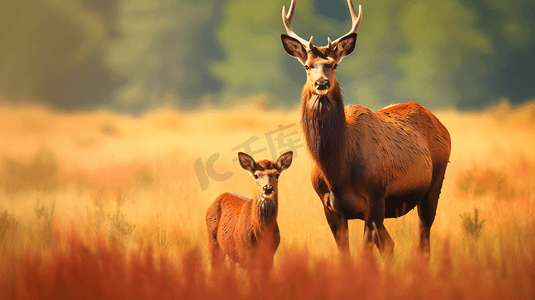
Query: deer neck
point(264, 212)
point(324, 127)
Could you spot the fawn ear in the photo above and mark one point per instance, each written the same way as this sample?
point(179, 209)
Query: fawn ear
point(246, 162)
point(284, 161)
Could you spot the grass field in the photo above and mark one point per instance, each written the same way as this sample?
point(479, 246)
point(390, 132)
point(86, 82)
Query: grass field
point(102, 205)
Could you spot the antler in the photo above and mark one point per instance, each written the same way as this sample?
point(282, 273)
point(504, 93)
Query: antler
point(287, 20)
point(355, 20)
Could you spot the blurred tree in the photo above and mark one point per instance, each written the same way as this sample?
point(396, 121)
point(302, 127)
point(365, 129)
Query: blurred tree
point(255, 63)
point(508, 71)
point(136, 54)
point(369, 76)
point(52, 51)
point(249, 37)
point(444, 44)
point(164, 51)
point(449, 53)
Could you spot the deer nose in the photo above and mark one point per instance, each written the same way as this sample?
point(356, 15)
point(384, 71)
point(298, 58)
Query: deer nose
point(268, 189)
point(322, 85)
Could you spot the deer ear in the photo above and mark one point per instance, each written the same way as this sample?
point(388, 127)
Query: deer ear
point(246, 162)
point(346, 45)
point(294, 48)
point(284, 161)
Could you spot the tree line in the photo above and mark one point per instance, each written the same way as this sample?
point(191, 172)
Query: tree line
point(132, 55)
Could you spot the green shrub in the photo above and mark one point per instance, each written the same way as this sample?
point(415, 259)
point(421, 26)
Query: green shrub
point(7, 223)
point(117, 225)
point(45, 220)
point(472, 225)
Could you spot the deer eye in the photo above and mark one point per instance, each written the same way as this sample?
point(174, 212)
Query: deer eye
point(277, 176)
point(255, 176)
point(307, 67)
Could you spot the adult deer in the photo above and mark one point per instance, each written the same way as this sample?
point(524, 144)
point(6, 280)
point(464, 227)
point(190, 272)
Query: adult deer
point(246, 230)
point(368, 165)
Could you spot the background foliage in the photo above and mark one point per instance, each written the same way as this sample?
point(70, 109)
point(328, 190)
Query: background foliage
point(132, 55)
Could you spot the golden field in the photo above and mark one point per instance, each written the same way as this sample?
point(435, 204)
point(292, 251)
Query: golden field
point(103, 205)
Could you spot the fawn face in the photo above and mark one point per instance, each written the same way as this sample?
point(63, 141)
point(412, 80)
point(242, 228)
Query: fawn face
point(266, 173)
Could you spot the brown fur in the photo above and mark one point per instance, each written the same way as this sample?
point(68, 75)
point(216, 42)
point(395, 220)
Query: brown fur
point(368, 165)
point(375, 165)
point(246, 230)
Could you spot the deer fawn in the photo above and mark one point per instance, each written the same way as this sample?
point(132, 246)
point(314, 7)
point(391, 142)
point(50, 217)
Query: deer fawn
point(246, 230)
point(368, 165)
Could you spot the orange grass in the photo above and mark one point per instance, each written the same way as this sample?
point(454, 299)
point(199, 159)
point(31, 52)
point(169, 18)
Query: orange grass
point(100, 205)
point(77, 269)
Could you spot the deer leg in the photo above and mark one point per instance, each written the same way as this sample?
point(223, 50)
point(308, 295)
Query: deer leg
point(427, 209)
point(217, 256)
point(265, 249)
point(375, 231)
point(378, 235)
point(339, 228)
point(337, 221)
point(426, 221)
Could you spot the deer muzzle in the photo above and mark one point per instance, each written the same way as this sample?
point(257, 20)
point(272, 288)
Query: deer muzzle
point(322, 87)
point(268, 190)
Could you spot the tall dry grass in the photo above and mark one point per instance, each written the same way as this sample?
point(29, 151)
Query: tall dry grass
point(100, 205)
